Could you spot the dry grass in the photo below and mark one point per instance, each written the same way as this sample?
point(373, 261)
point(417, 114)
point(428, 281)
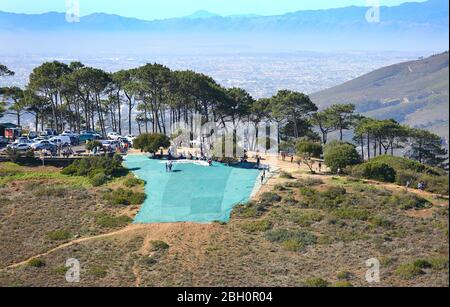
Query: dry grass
point(323, 235)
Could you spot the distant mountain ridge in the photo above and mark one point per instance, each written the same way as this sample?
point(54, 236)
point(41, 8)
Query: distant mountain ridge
point(409, 26)
point(431, 16)
point(414, 93)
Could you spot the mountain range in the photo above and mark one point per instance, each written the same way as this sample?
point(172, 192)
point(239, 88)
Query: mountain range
point(415, 93)
point(418, 25)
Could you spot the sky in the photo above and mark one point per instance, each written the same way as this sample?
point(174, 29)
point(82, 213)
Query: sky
point(160, 9)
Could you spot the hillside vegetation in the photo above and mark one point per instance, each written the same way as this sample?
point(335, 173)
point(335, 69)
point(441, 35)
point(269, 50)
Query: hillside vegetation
point(414, 93)
point(303, 230)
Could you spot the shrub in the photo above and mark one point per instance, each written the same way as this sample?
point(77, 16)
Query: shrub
point(286, 175)
point(310, 148)
point(437, 180)
point(375, 170)
point(409, 201)
point(422, 264)
point(257, 226)
point(131, 182)
point(439, 263)
point(302, 238)
point(151, 142)
point(108, 221)
point(124, 197)
point(98, 179)
point(408, 271)
point(344, 275)
point(316, 283)
point(149, 261)
point(159, 246)
point(352, 214)
point(270, 198)
point(36, 263)
point(52, 191)
point(343, 284)
point(306, 219)
point(292, 245)
point(310, 182)
point(249, 210)
point(339, 155)
point(90, 166)
point(59, 235)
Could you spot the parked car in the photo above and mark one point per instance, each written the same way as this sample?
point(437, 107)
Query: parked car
point(19, 146)
point(47, 145)
point(61, 140)
point(110, 145)
point(130, 138)
point(84, 137)
point(113, 136)
point(49, 132)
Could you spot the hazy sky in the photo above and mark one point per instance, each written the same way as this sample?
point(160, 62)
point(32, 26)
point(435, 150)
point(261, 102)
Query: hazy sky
point(157, 9)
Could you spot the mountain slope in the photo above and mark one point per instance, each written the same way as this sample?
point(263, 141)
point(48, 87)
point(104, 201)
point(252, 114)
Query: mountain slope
point(416, 93)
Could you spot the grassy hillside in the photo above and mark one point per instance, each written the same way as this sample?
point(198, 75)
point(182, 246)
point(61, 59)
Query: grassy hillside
point(415, 93)
point(302, 231)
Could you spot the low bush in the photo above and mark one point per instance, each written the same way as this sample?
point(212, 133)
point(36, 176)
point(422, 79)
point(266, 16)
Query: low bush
point(310, 182)
point(301, 237)
point(439, 263)
point(408, 271)
point(98, 179)
point(52, 191)
point(124, 197)
point(351, 214)
point(409, 201)
point(343, 284)
point(286, 175)
point(307, 218)
point(131, 182)
point(59, 235)
point(159, 246)
point(406, 170)
point(92, 166)
point(36, 263)
point(249, 210)
point(108, 221)
point(269, 198)
point(343, 275)
point(257, 226)
point(316, 283)
point(374, 170)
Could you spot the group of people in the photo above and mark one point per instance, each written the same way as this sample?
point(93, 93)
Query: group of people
point(169, 166)
point(420, 185)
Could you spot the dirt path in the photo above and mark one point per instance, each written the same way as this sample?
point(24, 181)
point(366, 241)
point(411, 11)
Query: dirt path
point(131, 228)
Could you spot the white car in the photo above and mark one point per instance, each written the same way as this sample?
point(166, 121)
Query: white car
point(113, 136)
point(110, 145)
point(20, 147)
point(62, 140)
point(130, 138)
